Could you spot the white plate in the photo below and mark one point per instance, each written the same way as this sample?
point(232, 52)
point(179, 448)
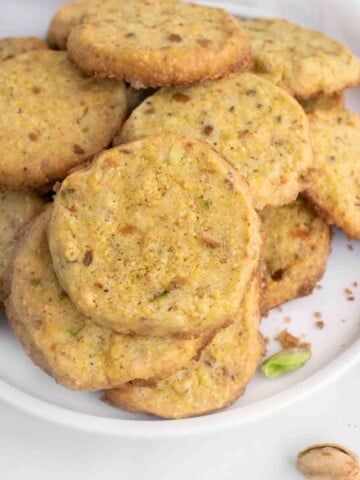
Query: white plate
point(336, 348)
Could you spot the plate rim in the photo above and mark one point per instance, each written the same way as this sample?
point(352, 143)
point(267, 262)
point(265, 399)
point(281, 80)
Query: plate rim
point(220, 420)
point(158, 428)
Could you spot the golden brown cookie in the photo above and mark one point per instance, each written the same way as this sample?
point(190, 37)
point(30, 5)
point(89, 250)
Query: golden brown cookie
point(333, 182)
point(322, 102)
point(12, 46)
point(158, 237)
point(158, 43)
point(258, 127)
point(53, 118)
point(294, 253)
point(16, 210)
point(304, 62)
point(212, 381)
point(77, 353)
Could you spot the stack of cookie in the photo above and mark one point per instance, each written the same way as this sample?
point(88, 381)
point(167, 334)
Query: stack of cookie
point(147, 274)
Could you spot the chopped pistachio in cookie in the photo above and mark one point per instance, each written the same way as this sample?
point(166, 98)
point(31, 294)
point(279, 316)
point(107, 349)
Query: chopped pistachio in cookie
point(155, 43)
point(12, 46)
point(212, 381)
point(294, 253)
point(157, 237)
point(79, 354)
point(53, 118)
point(257, 126)
point(16, 210)
point(303, 61)
point(333, 182)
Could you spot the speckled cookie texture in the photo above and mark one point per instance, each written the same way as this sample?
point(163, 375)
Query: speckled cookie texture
point(12, 46)
point(212, 381)
point(333, 182)
point(158, 43)
point(304, 62)
point(16, 210)
point(258, 127)
point(157, 237)
point(322, 102)
point(53, 118)
point(294, 253)
point(60, 340)
point(68, 16)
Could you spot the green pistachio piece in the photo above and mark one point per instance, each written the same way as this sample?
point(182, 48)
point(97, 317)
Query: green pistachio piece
point(286, 361)
point(162, 295)
point(175, 155)
point(76, 329)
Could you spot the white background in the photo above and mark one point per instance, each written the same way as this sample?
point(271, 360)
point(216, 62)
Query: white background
point(262, 450)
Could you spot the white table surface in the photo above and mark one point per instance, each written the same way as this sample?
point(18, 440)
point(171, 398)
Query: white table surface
point(262, 450)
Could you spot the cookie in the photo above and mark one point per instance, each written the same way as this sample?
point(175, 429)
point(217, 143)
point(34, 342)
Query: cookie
point(68, 16)
point(333, 182)
point(77, 353)
point(322, 102)
point(294, 253)
point(158, 237)
point(12, 46)
point(212, 381)
point(16, 210)
point(304, 62)
point(258, 127)
point(158, 43)
point(53, 118)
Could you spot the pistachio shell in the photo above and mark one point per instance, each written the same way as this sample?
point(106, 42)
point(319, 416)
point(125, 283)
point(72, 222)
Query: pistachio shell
point(328, 461)
point(285, 361)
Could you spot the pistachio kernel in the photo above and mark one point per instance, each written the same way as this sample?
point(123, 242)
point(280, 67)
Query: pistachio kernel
point(285, 361)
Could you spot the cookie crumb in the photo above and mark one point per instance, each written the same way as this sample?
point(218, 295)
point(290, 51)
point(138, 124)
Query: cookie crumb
point(287, 320)
point(317, 314)
point(319, 324)
point(288, 340)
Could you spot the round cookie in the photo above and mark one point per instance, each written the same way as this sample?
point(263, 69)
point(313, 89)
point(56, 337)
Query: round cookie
point(258, 127)
point(304, 62)
point(12, 46)
point(333, 182)
point(16, 210)
point(152, 43)
point(294, 253)
point(52, 118)
point(158, 237)
point(212, 381)
point(322, 102)
point(68, 16)
point(77, 353)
